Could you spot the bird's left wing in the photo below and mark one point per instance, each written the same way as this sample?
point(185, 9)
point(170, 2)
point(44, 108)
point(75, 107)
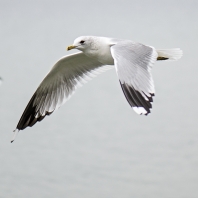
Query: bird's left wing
point(65, 76)
point(133, 63)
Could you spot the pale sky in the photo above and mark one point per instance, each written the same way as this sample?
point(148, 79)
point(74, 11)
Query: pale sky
point(96, 145)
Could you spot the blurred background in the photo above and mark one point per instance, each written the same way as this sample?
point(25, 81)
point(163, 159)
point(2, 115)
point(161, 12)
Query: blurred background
point(96, 145)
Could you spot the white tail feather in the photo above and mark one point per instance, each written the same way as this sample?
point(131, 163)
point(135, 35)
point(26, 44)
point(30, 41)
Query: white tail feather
point(171, 54)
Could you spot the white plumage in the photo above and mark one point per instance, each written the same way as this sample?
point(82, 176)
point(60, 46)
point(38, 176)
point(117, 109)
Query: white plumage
point(133, 62)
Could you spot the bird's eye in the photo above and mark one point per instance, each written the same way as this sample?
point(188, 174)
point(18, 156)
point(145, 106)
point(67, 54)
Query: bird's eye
point(82, 42)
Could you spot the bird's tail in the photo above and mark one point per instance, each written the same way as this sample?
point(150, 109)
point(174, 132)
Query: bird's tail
point(169, 54)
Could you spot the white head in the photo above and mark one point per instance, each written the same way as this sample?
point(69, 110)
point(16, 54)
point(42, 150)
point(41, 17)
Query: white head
point(83, 43)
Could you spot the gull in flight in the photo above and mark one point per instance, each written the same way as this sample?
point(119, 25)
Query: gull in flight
point(132, 61)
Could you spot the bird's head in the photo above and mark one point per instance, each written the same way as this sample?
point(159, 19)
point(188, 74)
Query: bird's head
point(82, 43)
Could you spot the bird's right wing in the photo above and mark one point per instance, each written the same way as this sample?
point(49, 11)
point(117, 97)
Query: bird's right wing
point(59, 84)
point(133, 63)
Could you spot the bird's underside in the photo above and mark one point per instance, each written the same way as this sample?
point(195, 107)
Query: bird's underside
point(30, 116)
point(133, 63)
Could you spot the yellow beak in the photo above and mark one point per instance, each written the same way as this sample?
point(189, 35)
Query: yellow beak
point(71, 47)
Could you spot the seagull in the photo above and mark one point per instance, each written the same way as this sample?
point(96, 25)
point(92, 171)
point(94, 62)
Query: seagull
point(132, 61)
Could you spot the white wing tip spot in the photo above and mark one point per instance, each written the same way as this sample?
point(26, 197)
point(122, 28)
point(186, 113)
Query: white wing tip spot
point(140, 110)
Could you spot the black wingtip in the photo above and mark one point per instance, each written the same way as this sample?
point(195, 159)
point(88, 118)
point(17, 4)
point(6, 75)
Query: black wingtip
point(135, 98)
point(29, 118)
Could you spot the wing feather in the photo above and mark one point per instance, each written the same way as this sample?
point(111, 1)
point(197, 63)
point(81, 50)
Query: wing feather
point(60, 83)
point(133, 63)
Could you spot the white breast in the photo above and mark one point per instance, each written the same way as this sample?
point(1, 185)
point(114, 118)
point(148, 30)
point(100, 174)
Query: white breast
point(101, 51)
point(105, 56)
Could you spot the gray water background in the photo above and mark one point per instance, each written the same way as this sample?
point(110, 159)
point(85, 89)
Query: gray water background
point(96, 146)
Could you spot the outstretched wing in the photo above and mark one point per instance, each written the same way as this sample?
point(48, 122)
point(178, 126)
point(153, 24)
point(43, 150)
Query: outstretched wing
point(59, 84)
point(133, 63)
